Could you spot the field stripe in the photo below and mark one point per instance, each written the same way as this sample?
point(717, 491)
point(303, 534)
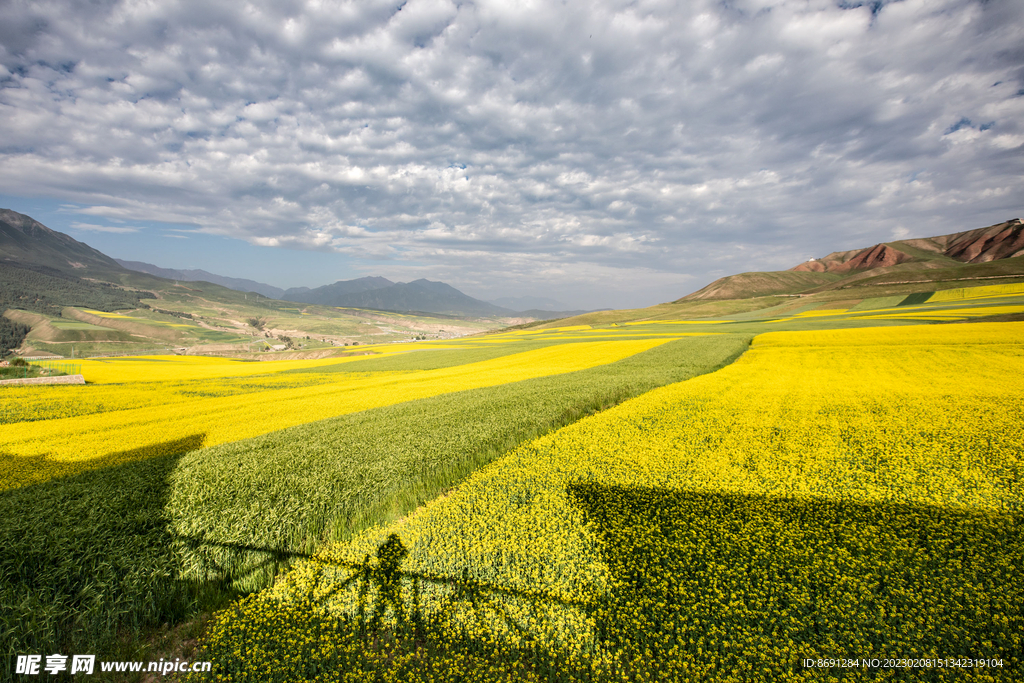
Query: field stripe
point(225, 419)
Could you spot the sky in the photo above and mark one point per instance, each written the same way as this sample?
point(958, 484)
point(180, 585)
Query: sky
point(602, 153)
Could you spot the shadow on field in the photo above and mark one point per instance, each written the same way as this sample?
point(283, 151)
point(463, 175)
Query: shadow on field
point(19, 471)
point(722, 584)
point(384, 587)
point(87, 556)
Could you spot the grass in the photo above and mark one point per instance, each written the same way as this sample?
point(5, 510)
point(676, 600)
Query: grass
point(328, 480)
point(37, 369)
point(75, 325)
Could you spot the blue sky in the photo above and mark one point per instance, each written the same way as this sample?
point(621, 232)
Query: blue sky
point(610, 153)
point(188, 247)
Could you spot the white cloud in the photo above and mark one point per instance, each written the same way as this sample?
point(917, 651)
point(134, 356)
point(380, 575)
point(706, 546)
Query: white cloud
point(103, 228)
point(677, 138)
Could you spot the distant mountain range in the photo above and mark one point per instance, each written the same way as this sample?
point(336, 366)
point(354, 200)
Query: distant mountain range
point(383, 294)
point(42, 269)
point(947, 258)
point(379, 293)
point(236, 283)
point(327, 294)
point(27, 244)
point(420, 295)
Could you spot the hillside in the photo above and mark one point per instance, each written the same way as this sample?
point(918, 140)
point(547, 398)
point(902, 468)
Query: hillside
point(27, 243)
point(747, 285)
point(927, 259)
point(43, 271)
point(985, 256)
point(1000, 241)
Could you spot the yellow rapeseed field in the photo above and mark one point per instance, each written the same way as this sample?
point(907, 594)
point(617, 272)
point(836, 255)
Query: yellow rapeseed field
point(927, 313)
point(839, 494)
point(136, 369)
point(135, 423)
point(977, 292)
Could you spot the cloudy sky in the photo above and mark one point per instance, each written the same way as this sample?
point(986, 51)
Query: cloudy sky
point(603, 153)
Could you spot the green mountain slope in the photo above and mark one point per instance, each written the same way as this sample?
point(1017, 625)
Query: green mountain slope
point(746, 285)
point(27, 243)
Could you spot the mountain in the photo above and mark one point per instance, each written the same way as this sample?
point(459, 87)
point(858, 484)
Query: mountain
point(327, 294)
point(956, 257)
point(42, 297)
point(40, 271)
point(427, 296)
point(1003, 240)
point(27, 243)
point(236, 283)
point(380, 293)
point(60, 262)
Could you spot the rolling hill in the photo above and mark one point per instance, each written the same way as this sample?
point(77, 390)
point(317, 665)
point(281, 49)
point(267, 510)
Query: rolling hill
point(892, 271)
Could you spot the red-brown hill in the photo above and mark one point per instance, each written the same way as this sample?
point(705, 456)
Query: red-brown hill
point(921, 258)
